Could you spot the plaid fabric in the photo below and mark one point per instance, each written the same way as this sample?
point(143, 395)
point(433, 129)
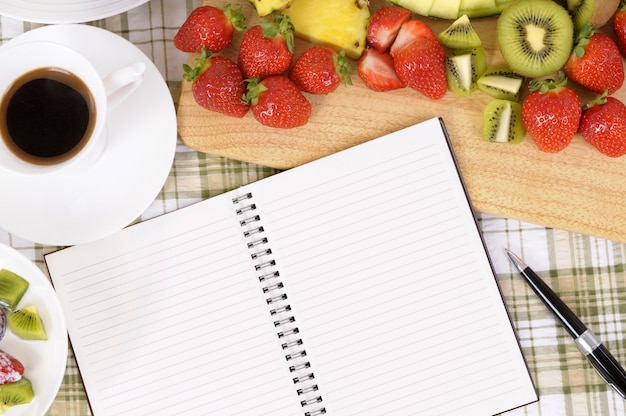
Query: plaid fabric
point(587, 272)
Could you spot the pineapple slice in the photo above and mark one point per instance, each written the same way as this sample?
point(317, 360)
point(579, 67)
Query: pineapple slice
point(266, 7)
point(340, 24)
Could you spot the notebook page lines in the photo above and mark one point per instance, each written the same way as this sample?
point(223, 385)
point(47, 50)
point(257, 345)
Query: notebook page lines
point(382, 263)
point(178, 313)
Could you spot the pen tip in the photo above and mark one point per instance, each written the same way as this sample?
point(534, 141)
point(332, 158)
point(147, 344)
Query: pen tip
point(518, 262)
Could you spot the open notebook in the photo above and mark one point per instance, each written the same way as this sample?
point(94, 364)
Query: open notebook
point(357, 284)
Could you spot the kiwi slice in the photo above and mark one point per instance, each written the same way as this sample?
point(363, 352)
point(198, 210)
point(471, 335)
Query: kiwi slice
point(27, 324)
point(12, 288)
point(535, 37)
point(501, 83)
point(463, 70)
point(596, 12)
point(16, 393)
point(502, 122)
point(460, 35)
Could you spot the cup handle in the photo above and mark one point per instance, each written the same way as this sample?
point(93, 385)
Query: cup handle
point(120, 83)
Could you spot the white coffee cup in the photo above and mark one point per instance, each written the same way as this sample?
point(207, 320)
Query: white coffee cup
point(41, 133)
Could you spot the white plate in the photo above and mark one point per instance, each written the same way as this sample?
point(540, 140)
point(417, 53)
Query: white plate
point(65, 210)
point(65, 11)
point(44, 361)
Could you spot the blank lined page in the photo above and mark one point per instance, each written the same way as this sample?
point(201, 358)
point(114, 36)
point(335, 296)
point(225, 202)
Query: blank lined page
point(390, 285)
point(166, 318)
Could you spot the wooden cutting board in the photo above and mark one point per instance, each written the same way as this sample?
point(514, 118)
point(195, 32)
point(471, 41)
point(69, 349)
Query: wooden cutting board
point(577, 189)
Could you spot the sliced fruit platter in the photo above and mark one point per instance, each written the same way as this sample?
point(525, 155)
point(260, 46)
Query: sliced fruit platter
point(577, 188)
point(33, 346)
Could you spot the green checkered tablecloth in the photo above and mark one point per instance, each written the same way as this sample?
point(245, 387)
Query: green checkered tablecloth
point(587, 272)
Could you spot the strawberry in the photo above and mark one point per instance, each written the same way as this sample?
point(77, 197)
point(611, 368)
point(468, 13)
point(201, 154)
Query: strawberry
point(551, 113)
point(596, 62)
point(267, 48)
point(421, 66)
point(11, 369)
point(277, 102)
point(384, 26)
point(619, 26)
point(377, 71)
point(320, 70)
point(217, 84)
point(603, 125)
point(410, 31)
point(208, 27)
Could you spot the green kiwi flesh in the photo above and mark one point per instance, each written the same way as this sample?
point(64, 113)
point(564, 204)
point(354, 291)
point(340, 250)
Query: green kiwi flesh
point(460, 35)
point(535, 37)
point(16, 393)
point(463, 69)
point(27, 324)
point(502, 122)
point(12, 288)
point(501, 83)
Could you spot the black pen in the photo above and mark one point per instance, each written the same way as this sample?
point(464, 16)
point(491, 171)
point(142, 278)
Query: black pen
point(605, 364)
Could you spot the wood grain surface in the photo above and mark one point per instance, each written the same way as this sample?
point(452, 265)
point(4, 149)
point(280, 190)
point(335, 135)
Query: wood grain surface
point(577, 189)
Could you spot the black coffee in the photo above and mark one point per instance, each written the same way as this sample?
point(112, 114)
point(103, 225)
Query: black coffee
point(47, 116)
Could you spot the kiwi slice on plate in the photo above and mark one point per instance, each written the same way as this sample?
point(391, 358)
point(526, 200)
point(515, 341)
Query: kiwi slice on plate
point(463, 70)
point(502, 122)
point(12, 288)
point(501, 83)
point(460, 35)
point(535, 37)
point(27, 324)
point(16, 393)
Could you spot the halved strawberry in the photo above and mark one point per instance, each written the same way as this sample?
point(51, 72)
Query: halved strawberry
point(409, 31)
point(11, 369)
point(377, 72)
point(384, 26)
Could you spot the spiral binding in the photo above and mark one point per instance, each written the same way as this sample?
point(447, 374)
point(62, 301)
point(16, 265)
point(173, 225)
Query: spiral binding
point(280, 309)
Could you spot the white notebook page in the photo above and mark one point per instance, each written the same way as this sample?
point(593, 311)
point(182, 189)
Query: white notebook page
point(385, 274)
point(394, 295)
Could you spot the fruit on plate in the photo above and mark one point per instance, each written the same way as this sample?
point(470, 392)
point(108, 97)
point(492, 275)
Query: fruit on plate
point(551, 113)
point(277, 102)
point(27, 324)
point(267, 48)
point(501, 83)
point(595, 12)
point(217, 84)
point(16, 393)
point(460, 35)
point(464, 68)
point(421, 66)
point(340, 24)
point(453, 9)
point(384, 26)
point(267, 7)
point(502, 122)
point(535, 37)
point(11, 369)
point(377, 71)
point(12, 288)
point(603, 125)
point(320, 70)
point(595, 62)
point(208, 27)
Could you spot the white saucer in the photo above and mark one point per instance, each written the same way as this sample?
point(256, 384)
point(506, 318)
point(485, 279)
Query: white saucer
point(65, 210)
point(65, 11)
point(44, 361)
